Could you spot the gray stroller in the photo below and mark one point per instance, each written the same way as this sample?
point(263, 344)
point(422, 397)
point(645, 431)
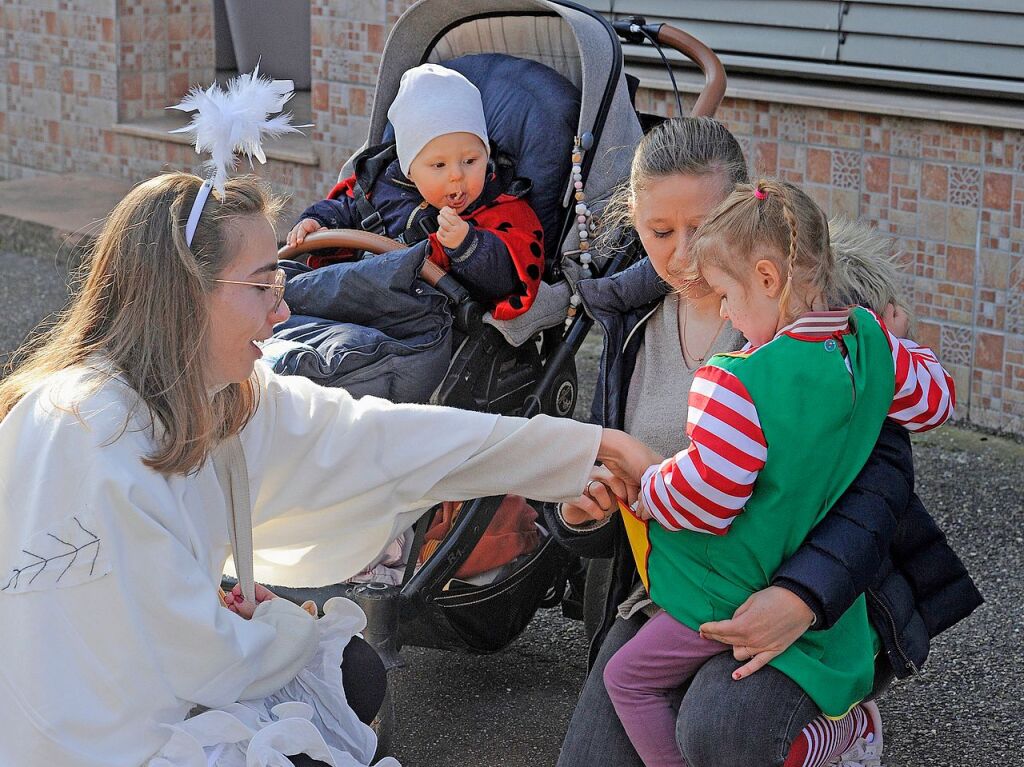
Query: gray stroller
point(572, 128)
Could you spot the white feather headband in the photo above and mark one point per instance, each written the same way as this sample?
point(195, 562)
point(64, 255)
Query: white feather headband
point(229, 122)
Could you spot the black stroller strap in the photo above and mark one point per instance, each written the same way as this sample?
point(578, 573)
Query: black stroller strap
point(368, 166)
point(419, 533)
point(371, 218)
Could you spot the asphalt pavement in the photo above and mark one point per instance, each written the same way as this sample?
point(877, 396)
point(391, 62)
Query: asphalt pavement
point(31, 289)
point(511, 709)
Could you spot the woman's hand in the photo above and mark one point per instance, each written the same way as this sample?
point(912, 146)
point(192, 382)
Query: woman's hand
point(762, 627)
point(236, 603)
point(626, 456)
point(599, 500)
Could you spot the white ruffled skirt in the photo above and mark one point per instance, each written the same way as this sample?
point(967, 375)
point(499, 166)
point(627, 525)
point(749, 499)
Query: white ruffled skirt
point(309, 715)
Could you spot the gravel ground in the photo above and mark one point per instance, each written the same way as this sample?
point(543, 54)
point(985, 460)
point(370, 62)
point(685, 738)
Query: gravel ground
point(966, 708)
point(30, 290)
point(511, 709)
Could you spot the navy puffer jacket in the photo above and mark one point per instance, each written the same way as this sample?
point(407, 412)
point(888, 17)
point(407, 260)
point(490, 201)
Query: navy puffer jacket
point(877, 539)
point(370, 326)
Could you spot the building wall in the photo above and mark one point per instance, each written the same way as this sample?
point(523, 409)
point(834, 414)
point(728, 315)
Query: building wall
point(59, 84)
point(75, 68)
point(952, 194)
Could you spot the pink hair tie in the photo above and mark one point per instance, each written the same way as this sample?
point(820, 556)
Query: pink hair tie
point(759, 194)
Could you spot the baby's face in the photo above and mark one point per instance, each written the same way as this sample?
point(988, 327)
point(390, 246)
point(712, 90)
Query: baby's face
point(450, 170)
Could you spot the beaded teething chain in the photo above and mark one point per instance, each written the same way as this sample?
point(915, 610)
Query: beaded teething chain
point(584, 219)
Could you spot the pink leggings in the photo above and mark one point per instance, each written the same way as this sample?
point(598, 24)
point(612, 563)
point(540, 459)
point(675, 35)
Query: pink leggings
point(643, 679)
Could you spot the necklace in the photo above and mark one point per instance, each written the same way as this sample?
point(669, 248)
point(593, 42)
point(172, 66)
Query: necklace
point(682, 339)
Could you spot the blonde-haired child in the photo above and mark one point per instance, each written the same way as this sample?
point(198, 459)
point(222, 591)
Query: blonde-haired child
point(777, 432)
point(866, 273)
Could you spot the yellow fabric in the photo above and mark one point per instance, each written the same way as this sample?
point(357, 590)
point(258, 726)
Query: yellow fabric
point(636, 531)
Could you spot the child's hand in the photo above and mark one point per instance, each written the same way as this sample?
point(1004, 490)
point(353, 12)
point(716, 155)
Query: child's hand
point(236, 603)
point(301, 229)
point(451, 230)
point(896, 320)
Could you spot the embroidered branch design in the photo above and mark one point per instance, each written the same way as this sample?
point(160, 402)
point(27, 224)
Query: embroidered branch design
point(61, 557)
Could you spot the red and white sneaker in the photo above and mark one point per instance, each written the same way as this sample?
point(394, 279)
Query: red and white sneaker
point(866, 751)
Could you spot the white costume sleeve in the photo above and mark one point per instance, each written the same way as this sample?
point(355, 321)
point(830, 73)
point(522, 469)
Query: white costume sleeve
point(110, 616)
point(359, 471)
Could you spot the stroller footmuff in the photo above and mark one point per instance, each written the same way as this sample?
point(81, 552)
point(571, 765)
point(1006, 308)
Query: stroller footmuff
point(370, 326)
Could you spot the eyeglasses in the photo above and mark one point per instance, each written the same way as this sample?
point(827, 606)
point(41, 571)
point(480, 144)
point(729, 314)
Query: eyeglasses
point(277, 286)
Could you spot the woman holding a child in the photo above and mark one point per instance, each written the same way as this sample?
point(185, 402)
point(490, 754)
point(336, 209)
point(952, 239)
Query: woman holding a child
point(737, 710)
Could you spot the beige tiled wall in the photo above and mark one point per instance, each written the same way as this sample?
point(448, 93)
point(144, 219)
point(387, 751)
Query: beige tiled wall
point(953, 197)
point(952, 194)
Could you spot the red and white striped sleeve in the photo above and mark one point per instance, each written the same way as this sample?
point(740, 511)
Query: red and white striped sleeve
point(704, 487)
point(925, 393)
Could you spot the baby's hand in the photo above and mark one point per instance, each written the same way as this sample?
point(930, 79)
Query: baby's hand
point(301, 229)
point(451, 230)
point(896, 320)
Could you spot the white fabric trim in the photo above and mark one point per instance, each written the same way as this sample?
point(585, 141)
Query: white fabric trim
point(197, 210)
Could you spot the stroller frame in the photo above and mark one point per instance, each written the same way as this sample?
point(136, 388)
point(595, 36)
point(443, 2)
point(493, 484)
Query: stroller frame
point(413, 613)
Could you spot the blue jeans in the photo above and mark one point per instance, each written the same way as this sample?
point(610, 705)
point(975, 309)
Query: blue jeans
point(722, 723)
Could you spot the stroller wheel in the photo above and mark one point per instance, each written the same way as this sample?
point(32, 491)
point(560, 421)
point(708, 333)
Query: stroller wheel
point(565, 398)
point(561, 399)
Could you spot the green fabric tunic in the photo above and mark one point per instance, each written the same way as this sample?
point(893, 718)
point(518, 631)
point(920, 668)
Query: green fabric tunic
point(820, 424)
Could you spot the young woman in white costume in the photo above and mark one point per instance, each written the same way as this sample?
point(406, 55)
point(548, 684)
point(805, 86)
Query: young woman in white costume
point(114, 526)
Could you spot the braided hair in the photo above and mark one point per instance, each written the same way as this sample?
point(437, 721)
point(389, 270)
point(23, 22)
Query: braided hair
point(775, 220)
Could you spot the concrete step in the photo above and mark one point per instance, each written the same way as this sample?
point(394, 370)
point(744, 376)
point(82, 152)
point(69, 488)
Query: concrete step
point(55, 216)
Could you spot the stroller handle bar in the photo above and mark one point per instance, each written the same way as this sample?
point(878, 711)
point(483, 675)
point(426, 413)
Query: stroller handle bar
point(635, 29)
point(705, 58)
point(356, 239)
point(352, 239)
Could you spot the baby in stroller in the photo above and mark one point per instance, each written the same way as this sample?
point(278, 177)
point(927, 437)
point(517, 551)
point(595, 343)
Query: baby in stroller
point(443, 185)
point(441, 180)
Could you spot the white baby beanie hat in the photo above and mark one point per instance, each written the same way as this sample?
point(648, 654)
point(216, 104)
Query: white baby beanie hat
point(433, 100)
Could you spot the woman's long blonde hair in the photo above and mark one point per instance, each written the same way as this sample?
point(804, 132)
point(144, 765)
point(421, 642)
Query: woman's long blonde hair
point(142, 306)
